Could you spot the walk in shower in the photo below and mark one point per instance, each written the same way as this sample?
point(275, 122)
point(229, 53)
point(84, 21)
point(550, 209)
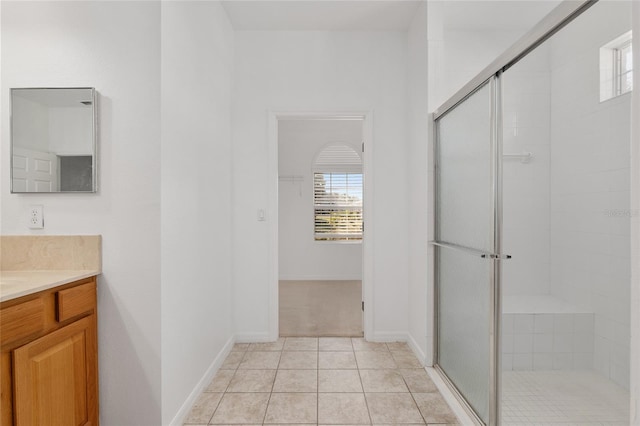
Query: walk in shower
point(532, 226)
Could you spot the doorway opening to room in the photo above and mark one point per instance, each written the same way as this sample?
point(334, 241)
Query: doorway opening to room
point(320, 226)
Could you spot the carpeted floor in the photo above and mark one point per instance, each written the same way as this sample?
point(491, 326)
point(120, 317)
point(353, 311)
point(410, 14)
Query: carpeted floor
point(320, 308)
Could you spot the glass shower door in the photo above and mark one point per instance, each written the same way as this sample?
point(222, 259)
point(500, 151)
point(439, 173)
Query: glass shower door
point(466, 190)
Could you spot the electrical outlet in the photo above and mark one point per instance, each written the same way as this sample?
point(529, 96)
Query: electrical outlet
point(35, 219)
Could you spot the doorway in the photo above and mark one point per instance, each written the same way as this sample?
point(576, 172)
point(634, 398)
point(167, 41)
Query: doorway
point(320, 221)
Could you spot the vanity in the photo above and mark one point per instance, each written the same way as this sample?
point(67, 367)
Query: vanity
point(48, 330)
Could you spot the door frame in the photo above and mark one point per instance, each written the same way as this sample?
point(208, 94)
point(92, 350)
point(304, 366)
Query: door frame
point(272, 207)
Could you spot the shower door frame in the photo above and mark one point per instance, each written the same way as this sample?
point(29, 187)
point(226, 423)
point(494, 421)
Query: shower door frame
point(557, 19)
point(494, 255)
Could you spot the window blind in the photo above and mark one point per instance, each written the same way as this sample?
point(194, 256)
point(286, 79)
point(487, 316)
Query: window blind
point(337, 206)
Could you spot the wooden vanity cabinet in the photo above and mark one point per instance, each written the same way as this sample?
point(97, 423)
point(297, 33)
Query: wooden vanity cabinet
point(49, 357)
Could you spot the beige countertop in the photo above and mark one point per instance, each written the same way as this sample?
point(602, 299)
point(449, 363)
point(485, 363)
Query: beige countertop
point(14, 284)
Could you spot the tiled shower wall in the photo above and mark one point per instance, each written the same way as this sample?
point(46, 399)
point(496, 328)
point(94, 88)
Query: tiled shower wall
point(589, 187)
point(547, 341)
point(526, 98)
point(566, 212)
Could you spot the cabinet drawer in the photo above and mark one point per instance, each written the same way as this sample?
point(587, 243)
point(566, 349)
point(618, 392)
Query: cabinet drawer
point(75, 301)
point(22, 320)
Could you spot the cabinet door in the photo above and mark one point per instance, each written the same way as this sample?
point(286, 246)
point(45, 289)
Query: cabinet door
point(56, 378)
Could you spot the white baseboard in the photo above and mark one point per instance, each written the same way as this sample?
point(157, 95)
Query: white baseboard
point(320, 278)
point(183, 412)
point(253, 337)
point(430, 356)
point(417, 350)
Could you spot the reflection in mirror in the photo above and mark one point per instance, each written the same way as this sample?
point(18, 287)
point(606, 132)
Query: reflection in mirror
point(53, 147)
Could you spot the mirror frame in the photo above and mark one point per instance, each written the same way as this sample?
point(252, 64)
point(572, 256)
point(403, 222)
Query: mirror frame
point(94, 144)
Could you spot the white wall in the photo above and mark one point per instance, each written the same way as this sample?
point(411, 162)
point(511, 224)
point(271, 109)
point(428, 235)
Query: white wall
point(300, 256)
point(197, 330)
point(418, 158)
point(114, 47)
point(328, 72)
point(467, 52)
point(589, 187)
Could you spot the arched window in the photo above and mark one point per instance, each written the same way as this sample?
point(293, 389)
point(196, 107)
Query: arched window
point(337, 194)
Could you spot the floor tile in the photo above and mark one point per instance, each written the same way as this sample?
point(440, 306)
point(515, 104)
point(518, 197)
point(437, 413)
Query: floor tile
point(373, 360)
point(339, 381)
point(232, 361)
point(563, 397)
point(299, 360)
point(296, 381)
point(292, 408)
point(418, 380)
point(240, 347)
point(252, 381)
point(360, 344)
point(220, 381)
point(203, 408)
point(393, 408)
point(406, 359)
point(434, 409)
point(382, 381)
point(335, 344)
point(241, 408)
point(337, 360)
point(260, 361)
point(342, 408)
point(268, 346)
point(326, 381)
point(398, 346)
point(301, 344)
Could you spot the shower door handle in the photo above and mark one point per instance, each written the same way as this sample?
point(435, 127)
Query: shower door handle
point(497, 256)
point(472, 251)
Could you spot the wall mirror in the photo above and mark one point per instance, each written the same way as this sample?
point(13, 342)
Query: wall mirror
point(53, 140)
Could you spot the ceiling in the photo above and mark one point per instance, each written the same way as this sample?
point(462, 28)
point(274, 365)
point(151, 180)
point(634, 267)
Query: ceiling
point(377, 15)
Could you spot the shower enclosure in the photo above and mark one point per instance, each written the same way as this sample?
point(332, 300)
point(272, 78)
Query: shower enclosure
point(532, 236)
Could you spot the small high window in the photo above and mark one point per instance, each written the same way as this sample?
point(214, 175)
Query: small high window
point(616, 67)
point(337, 194)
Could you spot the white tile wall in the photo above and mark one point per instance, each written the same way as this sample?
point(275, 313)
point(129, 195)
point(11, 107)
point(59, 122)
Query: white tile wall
point(589, 196)
point(526, 99)
point(548, 341)
point(566, 213)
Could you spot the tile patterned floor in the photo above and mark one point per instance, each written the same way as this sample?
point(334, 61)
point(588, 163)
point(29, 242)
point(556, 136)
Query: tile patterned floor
point(564, 398)
point(325, 381)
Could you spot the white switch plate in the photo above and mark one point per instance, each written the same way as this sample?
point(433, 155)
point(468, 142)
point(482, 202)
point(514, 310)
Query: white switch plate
point(35, 218)
point(261, 215)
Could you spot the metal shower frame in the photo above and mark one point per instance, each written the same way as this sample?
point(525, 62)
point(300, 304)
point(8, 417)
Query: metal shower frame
point(557, 19)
